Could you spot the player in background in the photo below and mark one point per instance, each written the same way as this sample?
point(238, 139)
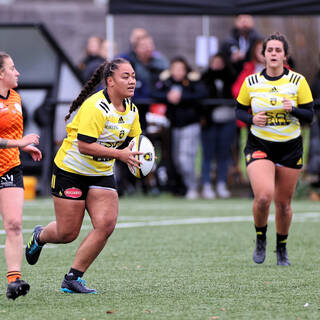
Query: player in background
point(11, 179)
point(83, 175)
point(279, 100)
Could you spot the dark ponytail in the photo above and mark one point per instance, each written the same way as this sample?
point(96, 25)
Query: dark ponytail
point(105, 70)
point(87, 89)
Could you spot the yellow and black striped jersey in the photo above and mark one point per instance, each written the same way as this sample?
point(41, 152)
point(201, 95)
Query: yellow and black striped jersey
point(97, 120)
point(266, 94)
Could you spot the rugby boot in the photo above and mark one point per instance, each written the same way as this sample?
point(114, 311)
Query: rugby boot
point(282, 256)
point(75, 286)
point(17, 288)
point(33, 249)
point(259, 253)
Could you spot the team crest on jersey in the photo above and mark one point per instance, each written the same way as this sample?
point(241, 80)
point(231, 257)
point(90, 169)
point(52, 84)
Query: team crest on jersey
point(248, 157)
point(273, 101)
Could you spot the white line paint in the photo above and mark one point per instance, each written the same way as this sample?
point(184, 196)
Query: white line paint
point(299, 217)
point(120, 218)
point(48, 246)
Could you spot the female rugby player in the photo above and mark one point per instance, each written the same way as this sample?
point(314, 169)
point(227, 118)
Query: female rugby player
point(83, 176)
point(11, 179)
point(279, 100)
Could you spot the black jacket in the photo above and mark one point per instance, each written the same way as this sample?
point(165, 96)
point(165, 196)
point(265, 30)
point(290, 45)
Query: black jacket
point(211, 79)
point(188, 110)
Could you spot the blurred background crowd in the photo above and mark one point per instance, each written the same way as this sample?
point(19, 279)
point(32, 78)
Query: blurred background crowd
point(185, 97)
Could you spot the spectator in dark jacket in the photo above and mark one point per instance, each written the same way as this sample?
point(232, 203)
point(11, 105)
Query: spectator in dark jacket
point(237, 47)
point(218, 128)
point(182, 95)
point(148, 64)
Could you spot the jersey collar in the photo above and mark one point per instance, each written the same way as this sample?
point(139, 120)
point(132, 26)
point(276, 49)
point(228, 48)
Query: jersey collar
point(5, 98)
point(264, 73)
point(105, 93)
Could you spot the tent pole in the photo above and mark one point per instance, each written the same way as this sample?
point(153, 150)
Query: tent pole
point(206, 34)
point(110, 33)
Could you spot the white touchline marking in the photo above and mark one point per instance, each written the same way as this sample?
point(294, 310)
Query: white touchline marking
point(120, 218)
point(298, 217)
point(48, 246)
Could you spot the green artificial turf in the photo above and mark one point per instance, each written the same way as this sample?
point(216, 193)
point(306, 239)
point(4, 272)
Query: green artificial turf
point(169, 259)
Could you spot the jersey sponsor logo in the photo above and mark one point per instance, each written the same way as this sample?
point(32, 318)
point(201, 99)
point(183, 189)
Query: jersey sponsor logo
point(112, 144)
point(101, 159)
point(277, 118)
point(259, 155)
point(73, 193)
point(274, 90)
point(7, 181)
point(111, 127)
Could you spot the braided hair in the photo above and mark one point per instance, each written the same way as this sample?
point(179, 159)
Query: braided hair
point(105, 70)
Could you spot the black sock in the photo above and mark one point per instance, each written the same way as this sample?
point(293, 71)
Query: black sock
point(281, 240)
point(74, 274)
point(261, 232)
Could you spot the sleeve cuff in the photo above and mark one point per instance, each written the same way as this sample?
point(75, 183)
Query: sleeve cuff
point(85, 138)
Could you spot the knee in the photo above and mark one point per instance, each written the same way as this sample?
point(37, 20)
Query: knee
point(106, 228)
point(67, 237)
point(111, 224)
point(13, 227)
point(263, 201)
point(283, 207)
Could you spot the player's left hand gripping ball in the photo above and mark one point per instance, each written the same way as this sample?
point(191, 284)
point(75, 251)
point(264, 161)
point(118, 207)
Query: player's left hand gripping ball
point(143, 144)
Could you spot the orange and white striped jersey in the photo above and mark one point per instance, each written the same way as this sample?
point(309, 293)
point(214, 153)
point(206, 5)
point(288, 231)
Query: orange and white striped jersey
point(11, 127)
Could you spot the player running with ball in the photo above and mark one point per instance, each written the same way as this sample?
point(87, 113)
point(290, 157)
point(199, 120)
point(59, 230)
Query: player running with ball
point(83, 169)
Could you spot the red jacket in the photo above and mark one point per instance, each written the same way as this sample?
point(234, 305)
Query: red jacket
point(248, 68)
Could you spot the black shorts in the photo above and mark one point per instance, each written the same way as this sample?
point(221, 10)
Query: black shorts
point(73, 186)
point(12, 179)
point(286, 154)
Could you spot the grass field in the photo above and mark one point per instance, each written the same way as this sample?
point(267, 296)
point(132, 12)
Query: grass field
point(175, 259)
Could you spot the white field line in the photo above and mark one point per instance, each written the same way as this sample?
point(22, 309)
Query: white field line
point(299, 217)
point(86, 218)
point(172, 206)
point(48, 246)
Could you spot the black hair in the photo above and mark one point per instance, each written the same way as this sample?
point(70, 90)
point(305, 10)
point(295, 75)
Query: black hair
point(182, 60)
point(276, 36)
point(105, 70)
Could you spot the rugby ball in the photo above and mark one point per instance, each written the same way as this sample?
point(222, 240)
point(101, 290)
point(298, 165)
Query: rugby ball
point(142, 144)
